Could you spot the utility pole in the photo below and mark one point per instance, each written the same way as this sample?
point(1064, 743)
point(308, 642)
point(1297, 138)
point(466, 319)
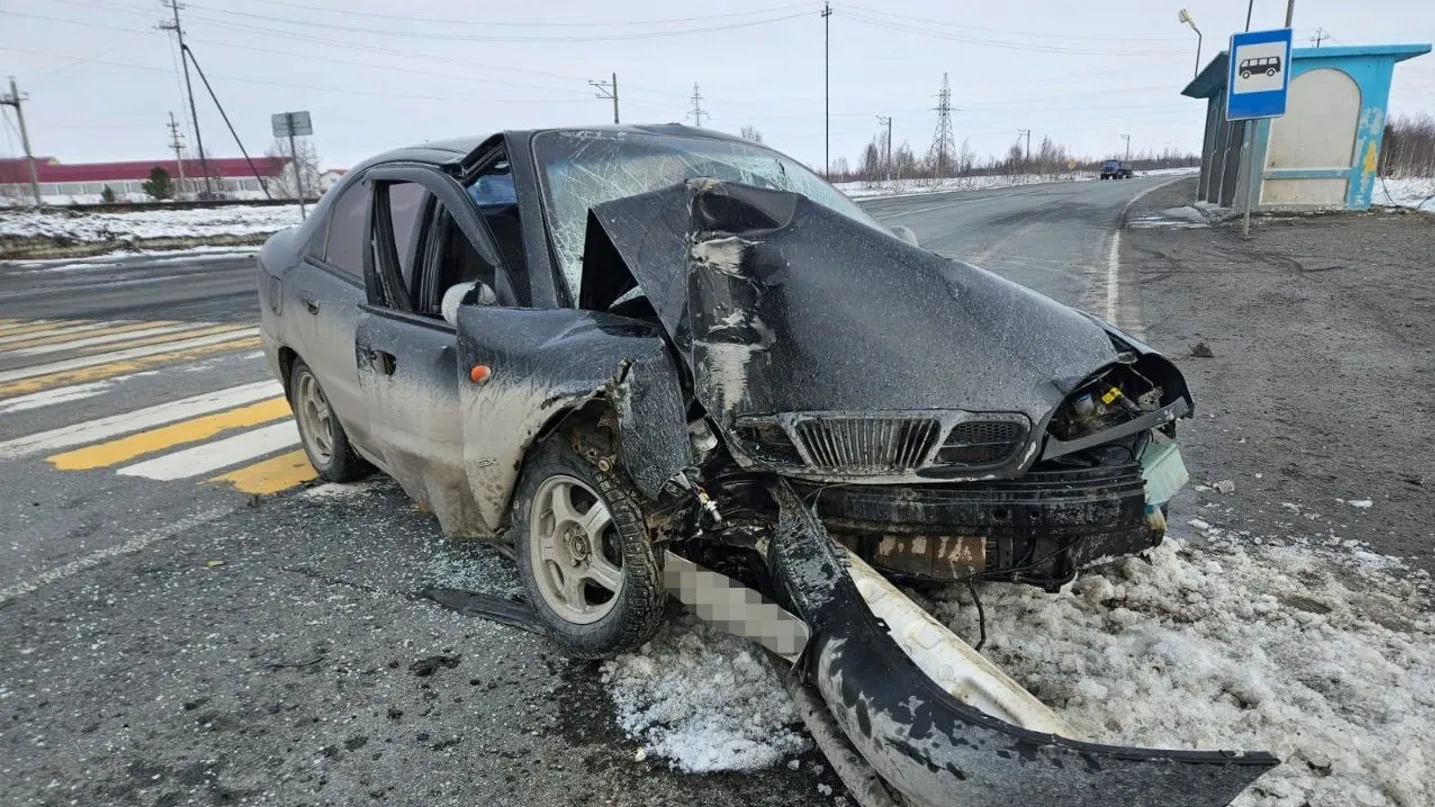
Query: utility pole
point(175, 6)
point(16, 100)
point(176, 142)
point(1290, 12)
point(887, 119)
point(608, 89)
point(1128, 147)
point(1027, 132)
point(697, 113)
point(827, 88)
point(1320, 35)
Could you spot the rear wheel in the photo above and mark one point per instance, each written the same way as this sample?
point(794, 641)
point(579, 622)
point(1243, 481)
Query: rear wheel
point(323, 437)
point(584, 553)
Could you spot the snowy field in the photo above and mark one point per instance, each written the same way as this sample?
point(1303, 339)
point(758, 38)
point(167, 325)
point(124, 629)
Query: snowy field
point(1311, 648)
point(76, 227)
point(905, 187)
point(1416, 192)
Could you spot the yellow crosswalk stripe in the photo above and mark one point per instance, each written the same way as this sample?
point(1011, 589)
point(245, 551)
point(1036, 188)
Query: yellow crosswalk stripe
point(101, 371)
point(57, 337)
point(272, 475)
point(161, 338)
point(188, 431)
point(38, 327)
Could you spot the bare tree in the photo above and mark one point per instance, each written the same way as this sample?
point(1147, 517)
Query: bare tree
point(1409, 147)
point(751, 133)
point(904, 162)
point(284, 186)
point(870, 166)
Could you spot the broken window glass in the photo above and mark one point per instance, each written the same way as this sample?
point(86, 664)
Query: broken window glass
point(581, 169)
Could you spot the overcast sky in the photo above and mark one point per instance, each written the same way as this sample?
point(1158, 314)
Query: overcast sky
point(379, 74)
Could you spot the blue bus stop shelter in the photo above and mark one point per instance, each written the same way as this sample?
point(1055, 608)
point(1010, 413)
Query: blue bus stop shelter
point(1323, 154)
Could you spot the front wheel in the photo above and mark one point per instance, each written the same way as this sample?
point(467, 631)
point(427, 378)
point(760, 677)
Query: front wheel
point(1245, 74)
point(584, 554)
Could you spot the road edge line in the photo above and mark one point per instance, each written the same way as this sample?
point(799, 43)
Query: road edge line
point(1113, 256)
point(129, 547)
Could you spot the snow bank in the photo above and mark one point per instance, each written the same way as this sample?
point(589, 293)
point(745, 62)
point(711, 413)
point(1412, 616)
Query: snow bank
point(1307, 651)
point(907, 187)
point(704, 700)
point(71, 226)
point(1416, 192)
point(1316, 651)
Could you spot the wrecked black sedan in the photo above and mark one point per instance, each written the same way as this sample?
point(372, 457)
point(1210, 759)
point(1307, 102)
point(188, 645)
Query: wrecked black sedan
point(620, 352)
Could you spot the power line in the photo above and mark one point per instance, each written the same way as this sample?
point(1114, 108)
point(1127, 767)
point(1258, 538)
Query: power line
point(438, 35)
point(1011, 32)
point(545, 24)
point(995, 43)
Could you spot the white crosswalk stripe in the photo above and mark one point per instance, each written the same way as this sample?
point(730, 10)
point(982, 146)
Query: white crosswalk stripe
point(210, 457)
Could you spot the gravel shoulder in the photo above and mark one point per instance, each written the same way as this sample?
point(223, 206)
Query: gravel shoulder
point(1318, 391)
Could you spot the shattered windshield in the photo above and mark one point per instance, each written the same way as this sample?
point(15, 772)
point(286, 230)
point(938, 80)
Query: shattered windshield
point(582, 169)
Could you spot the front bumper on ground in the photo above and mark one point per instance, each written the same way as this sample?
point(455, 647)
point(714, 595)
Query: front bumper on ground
point(1038, 529)
point(938, 749)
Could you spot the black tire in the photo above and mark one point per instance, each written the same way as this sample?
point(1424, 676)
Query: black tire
point(342, 464)
point(638, 606)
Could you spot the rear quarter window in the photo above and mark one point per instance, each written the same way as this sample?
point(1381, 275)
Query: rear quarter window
point(347, 219)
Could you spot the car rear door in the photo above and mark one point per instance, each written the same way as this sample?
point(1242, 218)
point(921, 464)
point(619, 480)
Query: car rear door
point(323, 295)
point(425, 234)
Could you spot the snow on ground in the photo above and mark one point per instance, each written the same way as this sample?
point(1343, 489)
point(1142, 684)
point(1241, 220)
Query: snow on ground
point(162, 223)
point(907, 187)
point(1314, 649)
point(1416, 192)
point(704, 700)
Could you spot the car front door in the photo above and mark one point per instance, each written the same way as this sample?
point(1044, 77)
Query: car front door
point(426, 236)
point(324, 293)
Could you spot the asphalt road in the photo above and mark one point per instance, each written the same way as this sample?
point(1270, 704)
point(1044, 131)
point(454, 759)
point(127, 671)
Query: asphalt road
point(183, 617)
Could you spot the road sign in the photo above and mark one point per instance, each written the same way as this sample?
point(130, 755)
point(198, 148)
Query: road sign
point(1258, 75)
point(291, 124)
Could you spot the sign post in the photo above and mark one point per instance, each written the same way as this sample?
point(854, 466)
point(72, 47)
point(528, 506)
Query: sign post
point(1257, 82)
point(291, 124)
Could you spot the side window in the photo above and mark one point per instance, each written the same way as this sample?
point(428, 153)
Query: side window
point(347, 239)
point(493, 192)
point(453, 260)
point(406, 210)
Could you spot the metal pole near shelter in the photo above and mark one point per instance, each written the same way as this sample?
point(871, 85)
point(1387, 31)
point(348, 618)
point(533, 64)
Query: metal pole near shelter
point(298, 174)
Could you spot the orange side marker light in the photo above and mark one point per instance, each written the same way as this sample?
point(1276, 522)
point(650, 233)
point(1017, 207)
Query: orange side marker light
point(480, 373)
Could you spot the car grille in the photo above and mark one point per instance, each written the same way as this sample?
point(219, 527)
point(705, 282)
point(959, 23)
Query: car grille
point(868, 445)
point(976, 443)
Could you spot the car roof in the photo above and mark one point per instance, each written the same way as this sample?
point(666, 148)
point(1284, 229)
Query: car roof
point(453, 149)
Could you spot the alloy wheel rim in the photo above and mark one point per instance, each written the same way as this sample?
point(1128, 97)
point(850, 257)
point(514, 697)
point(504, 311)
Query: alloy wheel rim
point(315, 419)
point(573, 550)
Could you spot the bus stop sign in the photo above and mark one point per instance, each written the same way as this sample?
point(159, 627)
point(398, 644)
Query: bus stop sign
point(1259, 74)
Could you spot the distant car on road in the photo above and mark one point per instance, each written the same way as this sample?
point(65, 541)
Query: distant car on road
point(1113, 169)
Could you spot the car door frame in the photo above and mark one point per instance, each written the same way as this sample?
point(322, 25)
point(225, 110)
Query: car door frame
point(425, 454)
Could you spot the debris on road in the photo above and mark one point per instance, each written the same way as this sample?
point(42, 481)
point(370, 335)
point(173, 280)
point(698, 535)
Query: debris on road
point(1201, 350)
point(1225, 486)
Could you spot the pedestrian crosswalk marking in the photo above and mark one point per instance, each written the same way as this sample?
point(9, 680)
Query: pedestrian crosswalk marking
point(72, 332)
point(147, 418)
point(100, 371)
point(123, 449)
point(272, 475)
point(78, 362)
point(37, 326)
point(243, 437)
point(210, 457)
point(104, 336)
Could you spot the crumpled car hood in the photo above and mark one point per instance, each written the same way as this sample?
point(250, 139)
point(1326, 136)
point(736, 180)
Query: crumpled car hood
point(784, 305)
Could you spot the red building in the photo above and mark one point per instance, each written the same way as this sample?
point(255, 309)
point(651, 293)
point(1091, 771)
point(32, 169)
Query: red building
point(81, 183)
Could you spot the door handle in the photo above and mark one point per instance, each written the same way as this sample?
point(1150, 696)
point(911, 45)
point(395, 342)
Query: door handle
point(383, 360)
point(310, 304)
